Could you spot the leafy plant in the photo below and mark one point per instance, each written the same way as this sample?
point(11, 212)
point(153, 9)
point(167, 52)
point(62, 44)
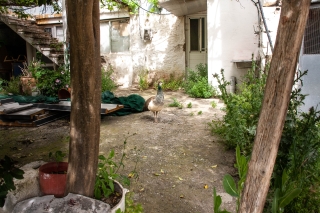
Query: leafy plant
point(213, 104)
point(295, 186)
point(200, 113)
point(229, 184)
point(57, 156)
point(7, 172)
point(285, 192)
point(2, 84)
point(217, 201)
point(189, 105)
point(58, 46)
point(49, 82)
point(107, 82)
point(108, 172)
point(299, 154)
point(131, 206)
point(175, 103)
point(12, 86)
point(143, 79)
point(242, 110)
point(197, 85)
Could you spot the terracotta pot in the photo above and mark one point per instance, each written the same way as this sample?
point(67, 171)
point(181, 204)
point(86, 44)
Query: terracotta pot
point(27, 83)
point(53, 178)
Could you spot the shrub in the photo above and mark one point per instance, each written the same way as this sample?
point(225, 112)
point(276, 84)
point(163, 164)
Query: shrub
point(107, 83)
point(299, 153)
point(49, 82)
point(196, 84)
point(12, 86)
point(242, 110)
point(297, 170)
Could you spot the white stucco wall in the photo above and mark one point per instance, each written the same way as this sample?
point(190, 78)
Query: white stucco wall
point(164, 54)
point(272, 15)
point(161, 56)
point(231, 36)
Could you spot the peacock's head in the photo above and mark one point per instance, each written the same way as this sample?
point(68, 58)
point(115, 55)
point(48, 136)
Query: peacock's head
point(160, 84)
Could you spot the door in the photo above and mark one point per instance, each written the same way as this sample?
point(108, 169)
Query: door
point(196, 41)
point(310, 59)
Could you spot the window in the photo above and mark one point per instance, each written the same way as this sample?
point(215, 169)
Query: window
point(59, 33)
point(114, 36)
point(197, 34)
point(311, 42)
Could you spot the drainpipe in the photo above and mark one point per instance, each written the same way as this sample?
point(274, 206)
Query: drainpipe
point(265, 25)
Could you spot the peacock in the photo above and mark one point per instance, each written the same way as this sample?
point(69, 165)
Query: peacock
point(155, 103)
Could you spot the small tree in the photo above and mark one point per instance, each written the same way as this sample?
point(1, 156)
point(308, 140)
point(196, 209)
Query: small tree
point(83, 18)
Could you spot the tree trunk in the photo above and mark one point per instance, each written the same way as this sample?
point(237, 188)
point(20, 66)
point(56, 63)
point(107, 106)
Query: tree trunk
point(279, 84)
point(83, 18)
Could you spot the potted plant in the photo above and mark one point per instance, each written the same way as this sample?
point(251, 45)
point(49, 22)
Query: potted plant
point(53, 176)
point(107, 186)
point(26, 79)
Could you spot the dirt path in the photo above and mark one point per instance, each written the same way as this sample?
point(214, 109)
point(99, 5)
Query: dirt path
point(177, 157)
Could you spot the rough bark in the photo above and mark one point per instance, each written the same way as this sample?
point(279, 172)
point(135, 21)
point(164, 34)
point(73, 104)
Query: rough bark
point(83, 18)
point(275, 103)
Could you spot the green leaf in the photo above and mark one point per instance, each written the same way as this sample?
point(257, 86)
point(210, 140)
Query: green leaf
point(111, 154)
point(230, 186)
point(288, 197)
point(119, 211)
point(101, 157)
point(275, 202)
point(285, 177)
point(17, 173)
point(216, 201)
point(111, 185)
point(97, 193)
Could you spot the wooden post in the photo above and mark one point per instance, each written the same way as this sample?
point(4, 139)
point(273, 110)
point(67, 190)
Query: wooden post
point(279, 84)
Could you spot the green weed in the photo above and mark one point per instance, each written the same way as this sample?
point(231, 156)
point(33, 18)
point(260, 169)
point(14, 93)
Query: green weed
point(107, 81)
point(143, 79)
point(176, 103)
point(213, 104)
point(189, 105)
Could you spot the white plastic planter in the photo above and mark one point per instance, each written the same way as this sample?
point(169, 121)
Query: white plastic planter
point(122, 204)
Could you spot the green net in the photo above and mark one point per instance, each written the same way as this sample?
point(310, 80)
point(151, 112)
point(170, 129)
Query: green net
point(31, 99)
point(132, 104)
